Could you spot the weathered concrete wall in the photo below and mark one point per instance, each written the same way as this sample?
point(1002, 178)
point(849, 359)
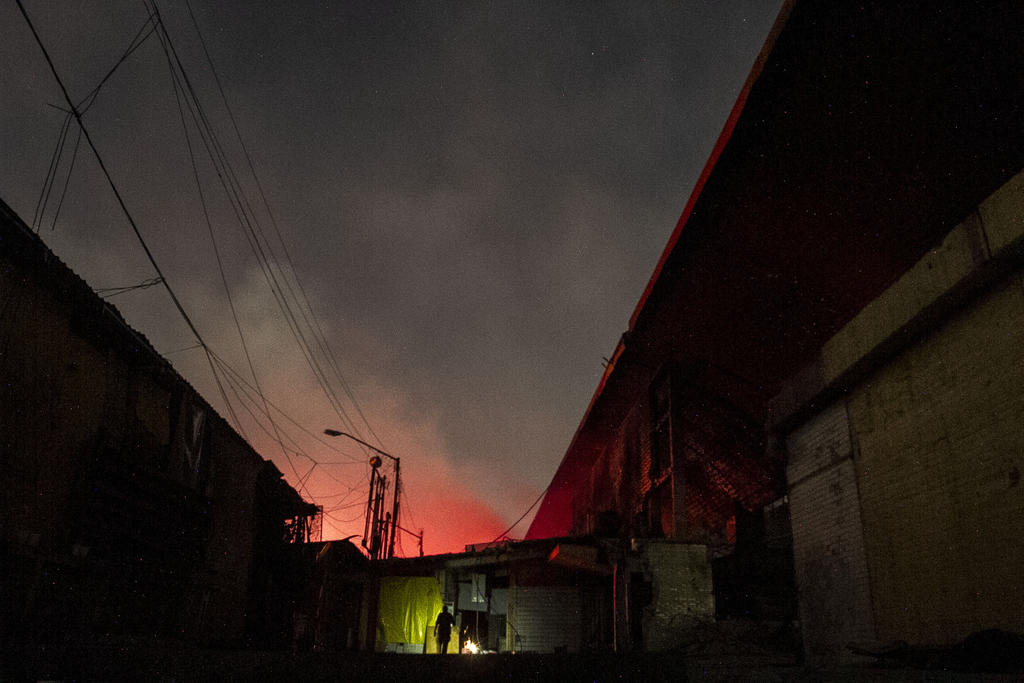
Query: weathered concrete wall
point(933, 370)
point(941, 439)
point(682, 591)
point(940, 434)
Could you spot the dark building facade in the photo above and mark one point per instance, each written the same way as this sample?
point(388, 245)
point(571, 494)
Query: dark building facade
point(130, 507)
point(566, 595)
point(822, 381)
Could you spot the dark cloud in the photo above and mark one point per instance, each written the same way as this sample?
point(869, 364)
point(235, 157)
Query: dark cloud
point(474, 195)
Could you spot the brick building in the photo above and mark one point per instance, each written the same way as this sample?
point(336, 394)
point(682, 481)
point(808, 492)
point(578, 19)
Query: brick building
point(822, 382)
point(130, 508)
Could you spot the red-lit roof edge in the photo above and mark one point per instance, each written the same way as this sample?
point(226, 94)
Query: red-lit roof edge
point(716, 152)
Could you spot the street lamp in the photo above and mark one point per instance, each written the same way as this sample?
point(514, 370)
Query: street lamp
point(375, 501)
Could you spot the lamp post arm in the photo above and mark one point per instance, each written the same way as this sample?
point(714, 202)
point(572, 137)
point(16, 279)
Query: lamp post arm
point(335, 432)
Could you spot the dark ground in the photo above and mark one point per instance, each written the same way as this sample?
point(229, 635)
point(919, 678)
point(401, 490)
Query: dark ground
point(165, 664)
point(150, 660)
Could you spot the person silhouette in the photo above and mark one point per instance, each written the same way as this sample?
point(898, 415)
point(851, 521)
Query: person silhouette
point(443, 630)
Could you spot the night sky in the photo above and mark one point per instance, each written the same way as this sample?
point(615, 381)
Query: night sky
point(473, 195)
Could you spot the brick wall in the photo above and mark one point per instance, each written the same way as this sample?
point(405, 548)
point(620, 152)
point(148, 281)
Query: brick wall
point(682, 592)
point(714, 460)
point(619, 477)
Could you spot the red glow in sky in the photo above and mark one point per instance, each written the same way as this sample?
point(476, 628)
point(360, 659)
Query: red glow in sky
point(438, 497)
point(472, 219)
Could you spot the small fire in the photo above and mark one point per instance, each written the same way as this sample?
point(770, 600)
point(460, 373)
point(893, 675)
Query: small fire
point(471, 647)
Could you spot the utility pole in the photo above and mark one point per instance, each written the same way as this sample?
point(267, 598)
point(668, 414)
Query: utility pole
point(394, 512)
point(382, 540)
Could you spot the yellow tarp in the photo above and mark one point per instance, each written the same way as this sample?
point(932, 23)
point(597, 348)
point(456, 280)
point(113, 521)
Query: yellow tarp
point(408, 605)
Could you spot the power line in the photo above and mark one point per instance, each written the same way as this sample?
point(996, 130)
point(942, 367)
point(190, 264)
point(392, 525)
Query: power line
point(346, 506)
point(84, 105)
point(246, 217)
point(117, 193)
point(257, 240)
point(107, 292)
point(181, 84)
point(67, 181)
point(51, 171)
point(316, 437)
point(220, 263)
point(319, 335)
point(186, 348)
point(276, 436)
point(259, 243)
point(341, 521)
point(113, 186)
point(523, 516)
point(223, 394)
point(106, 174)
point(235, 382)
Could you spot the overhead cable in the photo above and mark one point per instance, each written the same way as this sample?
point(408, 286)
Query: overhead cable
point(220, 263)
point(505, 533)
point(246, 217)
point(83, 106)
point(319, 335)
point(114, 189)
